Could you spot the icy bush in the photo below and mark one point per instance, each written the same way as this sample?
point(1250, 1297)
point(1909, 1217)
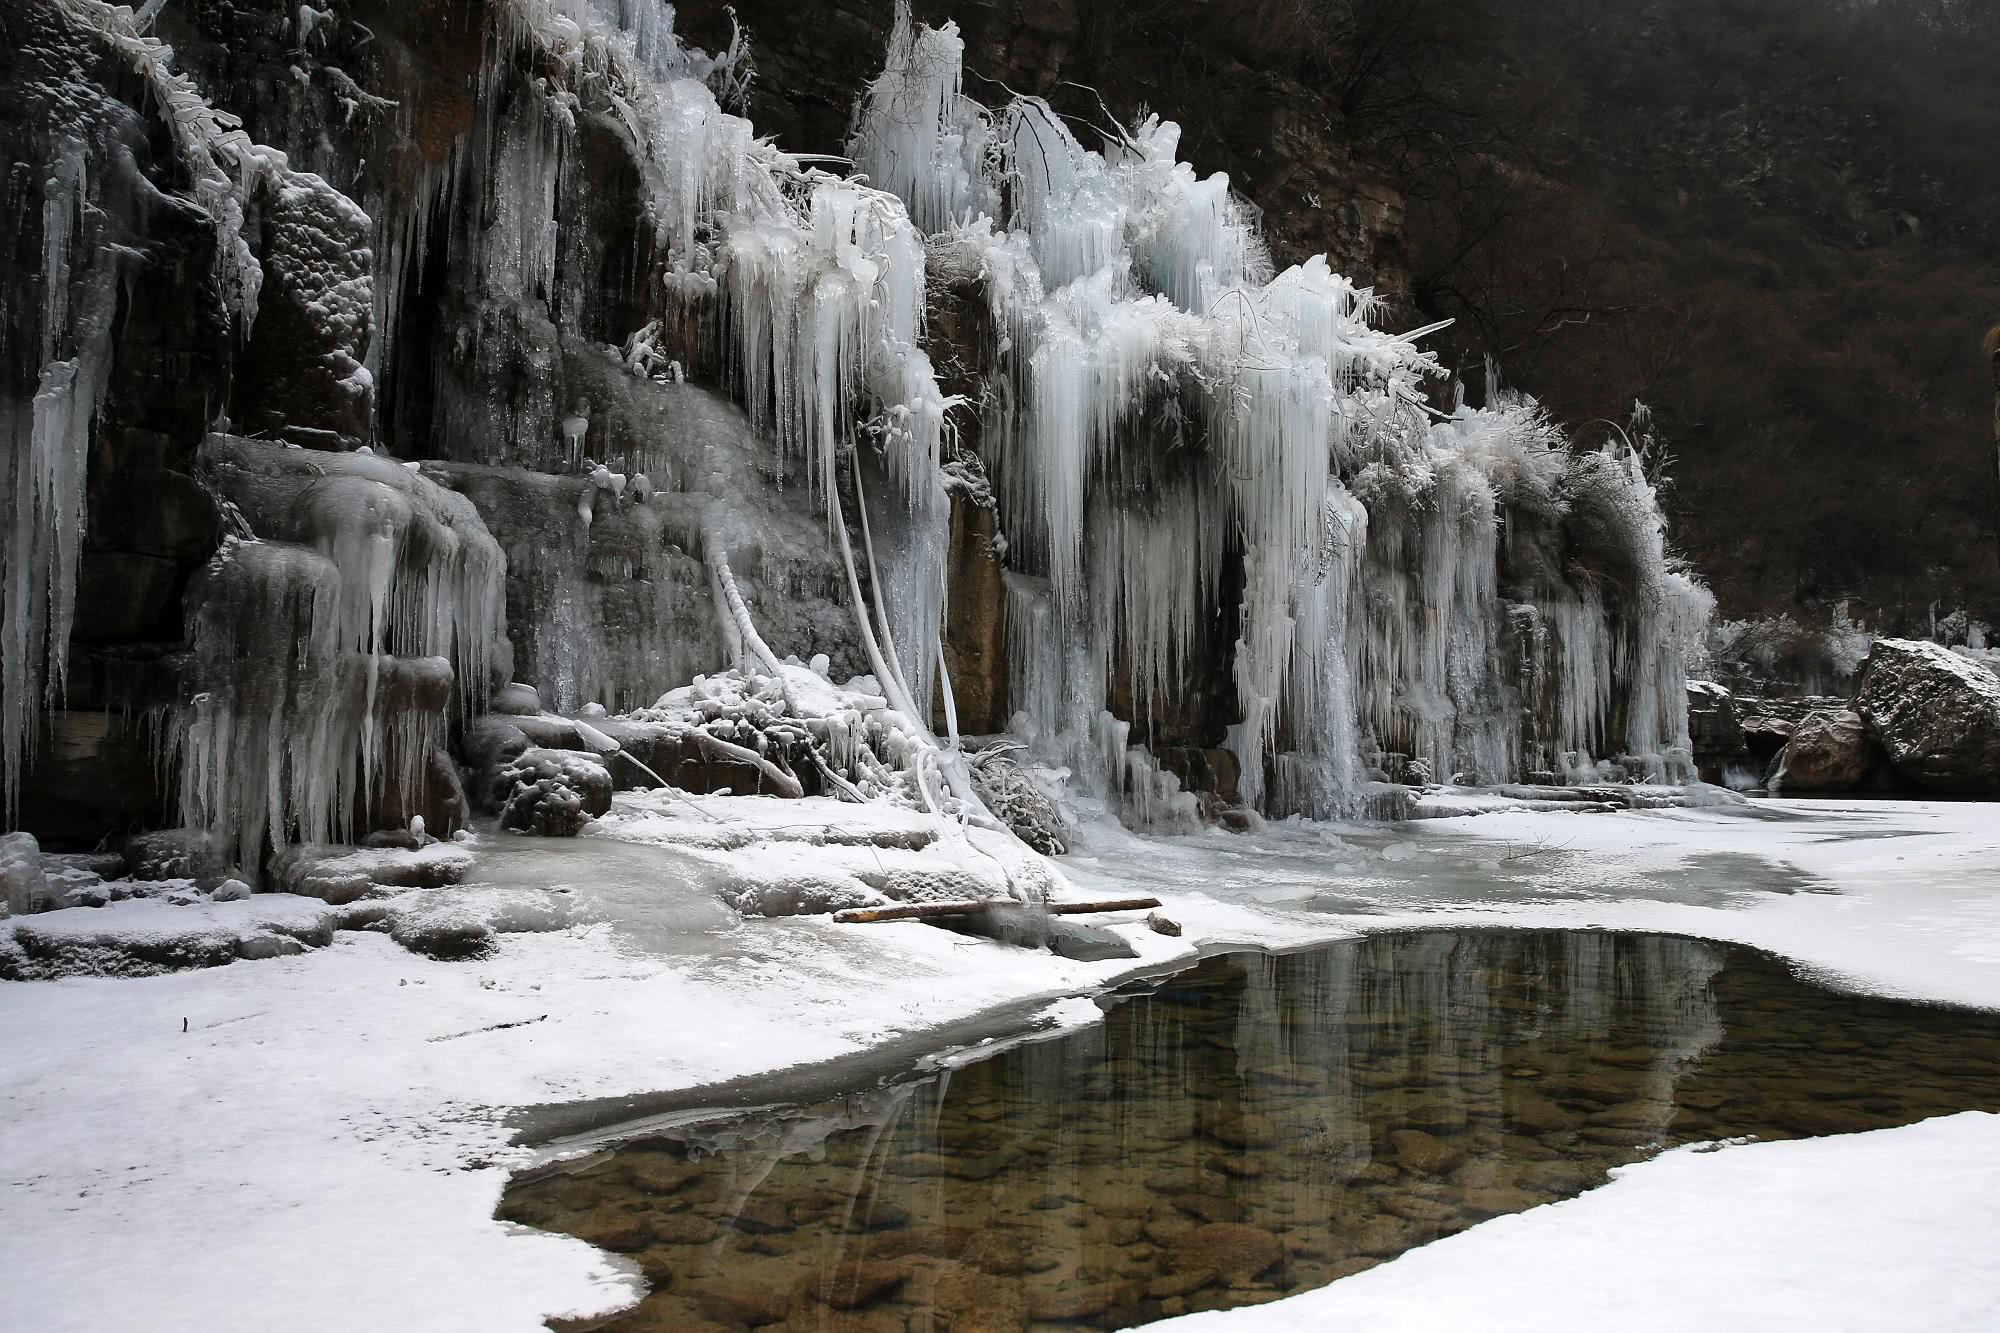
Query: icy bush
point(1781, 654)
point(1020, 803)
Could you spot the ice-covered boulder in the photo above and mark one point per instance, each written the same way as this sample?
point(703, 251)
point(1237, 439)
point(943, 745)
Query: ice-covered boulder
point(1828, 751)
point(554, 793)
point(1715, 728)
point(1935, 714)
point(177, 853)
point(27, 887)
point(517, 699)
point(337, 874)
point(327, 652)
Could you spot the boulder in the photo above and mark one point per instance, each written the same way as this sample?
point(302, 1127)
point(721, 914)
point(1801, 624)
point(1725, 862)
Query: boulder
point(554, 793)
point(1764, 735)
point(1230, 1251)
point(177, 853)
point(339, 874)
point(1934, 714)
point(437, 796)
point(1828, 751)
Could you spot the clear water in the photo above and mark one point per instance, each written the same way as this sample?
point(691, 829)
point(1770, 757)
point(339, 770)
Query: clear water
point(1257, 1125)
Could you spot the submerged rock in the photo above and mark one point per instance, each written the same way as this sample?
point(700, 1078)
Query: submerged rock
point(1935, 714)
point(1225, 1251)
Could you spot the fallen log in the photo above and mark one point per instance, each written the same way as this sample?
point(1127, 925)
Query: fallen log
point(939, 911)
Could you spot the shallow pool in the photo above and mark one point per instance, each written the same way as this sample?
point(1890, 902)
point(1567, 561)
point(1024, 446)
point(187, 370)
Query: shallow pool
point(1257, 1125)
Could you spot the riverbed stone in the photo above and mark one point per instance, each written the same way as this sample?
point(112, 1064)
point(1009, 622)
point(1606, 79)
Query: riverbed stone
point(657, 1173)
point(762, 1214)
point(1536, 1115)
point(1414, 1150)
point(1244, 1130)
point(1209, 1207)
point(1081, 1302)
point(742, 1303)
point(612, 1227)
point(857, 1283)
point(1231, 1251)
point(967, 1299)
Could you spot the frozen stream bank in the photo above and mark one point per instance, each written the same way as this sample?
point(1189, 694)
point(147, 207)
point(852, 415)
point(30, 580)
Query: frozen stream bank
point(354, 1102)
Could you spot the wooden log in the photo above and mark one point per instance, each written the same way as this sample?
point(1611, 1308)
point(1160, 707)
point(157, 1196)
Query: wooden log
point(938, 911)
point(1103, 905)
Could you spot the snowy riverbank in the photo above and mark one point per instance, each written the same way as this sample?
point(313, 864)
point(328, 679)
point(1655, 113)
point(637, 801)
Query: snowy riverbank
point(347, 1110)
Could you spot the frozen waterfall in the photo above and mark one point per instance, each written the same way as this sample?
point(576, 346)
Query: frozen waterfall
point(651, 405)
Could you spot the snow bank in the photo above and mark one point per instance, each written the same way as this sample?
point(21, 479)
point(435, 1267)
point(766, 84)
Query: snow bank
point(1892, 1228)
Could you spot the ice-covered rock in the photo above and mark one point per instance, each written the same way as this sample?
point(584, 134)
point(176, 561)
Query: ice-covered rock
point(1935, 714)
point(305, 365)
point(1828, 751)
point(516, 697)
point(1019, 803)
point(327, 653)
point(553, 793)
point(27, 887)
point(340, 875)
point(147, 937)
point(442, 929)
point(179, 853)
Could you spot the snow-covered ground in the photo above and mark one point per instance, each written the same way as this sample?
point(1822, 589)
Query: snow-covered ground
point(319, 1140)
point(1892, 1229)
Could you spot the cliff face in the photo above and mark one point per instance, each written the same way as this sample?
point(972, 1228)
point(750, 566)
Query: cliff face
point(1775, 224)
point(388, 354)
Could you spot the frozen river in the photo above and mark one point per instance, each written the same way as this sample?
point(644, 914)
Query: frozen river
point(355, 1108)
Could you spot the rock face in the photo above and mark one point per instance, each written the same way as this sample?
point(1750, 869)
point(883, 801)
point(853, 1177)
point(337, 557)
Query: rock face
point(1936, 715)
point(1715, 729)
point(1829, 751)
point(361, 441)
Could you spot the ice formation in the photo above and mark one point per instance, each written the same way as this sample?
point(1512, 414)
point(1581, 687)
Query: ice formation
point(693, 408)
point(328, 647)
point(47, 445)
point(47, 437)
point(1150, 382)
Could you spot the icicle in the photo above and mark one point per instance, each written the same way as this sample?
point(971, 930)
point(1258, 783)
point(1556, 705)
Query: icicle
point(917, 137)
point(46, 446)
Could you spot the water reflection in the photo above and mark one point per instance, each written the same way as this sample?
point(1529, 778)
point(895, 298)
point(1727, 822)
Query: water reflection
point(1255, 1126)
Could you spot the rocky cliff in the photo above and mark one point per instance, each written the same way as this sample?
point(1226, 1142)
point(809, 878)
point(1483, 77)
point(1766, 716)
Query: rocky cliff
point(371, 366)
